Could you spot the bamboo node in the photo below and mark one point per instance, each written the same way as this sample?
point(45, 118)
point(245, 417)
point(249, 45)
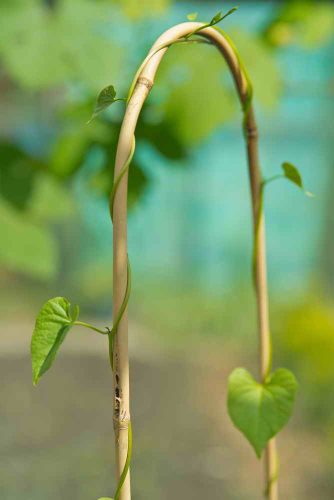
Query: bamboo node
point(252, 132)
point(145, 81)
point(122, 423)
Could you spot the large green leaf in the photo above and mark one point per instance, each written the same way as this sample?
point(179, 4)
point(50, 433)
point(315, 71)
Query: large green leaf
point(68, 153)
point(43, 47)
point(30, 45)
point(162, 136)
point(260, 411)
point(52, 324)
point(25, 246)
point(194, 102)
point(261, 66)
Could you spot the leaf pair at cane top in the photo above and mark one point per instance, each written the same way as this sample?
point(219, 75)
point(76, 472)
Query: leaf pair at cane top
point(217, 18)
point(107, 96)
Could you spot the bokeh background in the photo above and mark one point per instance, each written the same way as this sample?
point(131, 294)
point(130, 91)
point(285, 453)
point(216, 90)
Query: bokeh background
point(192, 308)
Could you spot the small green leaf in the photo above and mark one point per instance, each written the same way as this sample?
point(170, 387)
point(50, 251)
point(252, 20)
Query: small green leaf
point(260, 411)
point(192, 16)
point(106, 98)
point(292, 174)
point(216, 18)
point(52, 325)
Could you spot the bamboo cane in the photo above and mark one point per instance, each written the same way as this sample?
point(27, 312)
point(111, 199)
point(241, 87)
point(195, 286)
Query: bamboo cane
point(143, 84)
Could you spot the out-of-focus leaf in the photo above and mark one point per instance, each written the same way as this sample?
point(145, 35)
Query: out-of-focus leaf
point(261, 66)
point(162, 136)
point(68, 153)
point(42, 48)
point(318, 27)
point(144, 8)
point(17, 175)
point(26, 247)
point(51, 202)
point(92, 284)
point(196, 101)
point(102, 182)
point(193, 16)
point(260, 411)
point(195, 105)
point(308, 338)
point(302, 22)
point(92, 57)
point(52, 325)
point(137, 183)
point(30, 46)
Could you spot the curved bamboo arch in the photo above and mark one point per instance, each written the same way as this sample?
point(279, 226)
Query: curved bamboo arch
point(143, 84)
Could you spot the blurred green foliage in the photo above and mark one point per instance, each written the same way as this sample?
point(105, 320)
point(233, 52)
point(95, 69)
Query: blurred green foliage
point(304, 335)
point(29, 248)
point(187, 313)
point(57, 55)
point(307, 333)
point(145, 8)
point(302, 22)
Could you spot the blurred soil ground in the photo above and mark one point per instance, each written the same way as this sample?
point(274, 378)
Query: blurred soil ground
point(56, 440)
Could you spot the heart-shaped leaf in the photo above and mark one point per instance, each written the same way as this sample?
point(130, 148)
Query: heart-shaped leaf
point(260, 411)
point(292, 174)
point(106, 97)
point(52, 324)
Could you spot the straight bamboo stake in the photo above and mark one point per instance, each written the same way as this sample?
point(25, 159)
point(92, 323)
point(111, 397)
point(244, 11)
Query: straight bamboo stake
point(120, 360)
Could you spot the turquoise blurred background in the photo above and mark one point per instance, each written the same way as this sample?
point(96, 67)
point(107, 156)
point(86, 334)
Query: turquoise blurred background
point(192, 317)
